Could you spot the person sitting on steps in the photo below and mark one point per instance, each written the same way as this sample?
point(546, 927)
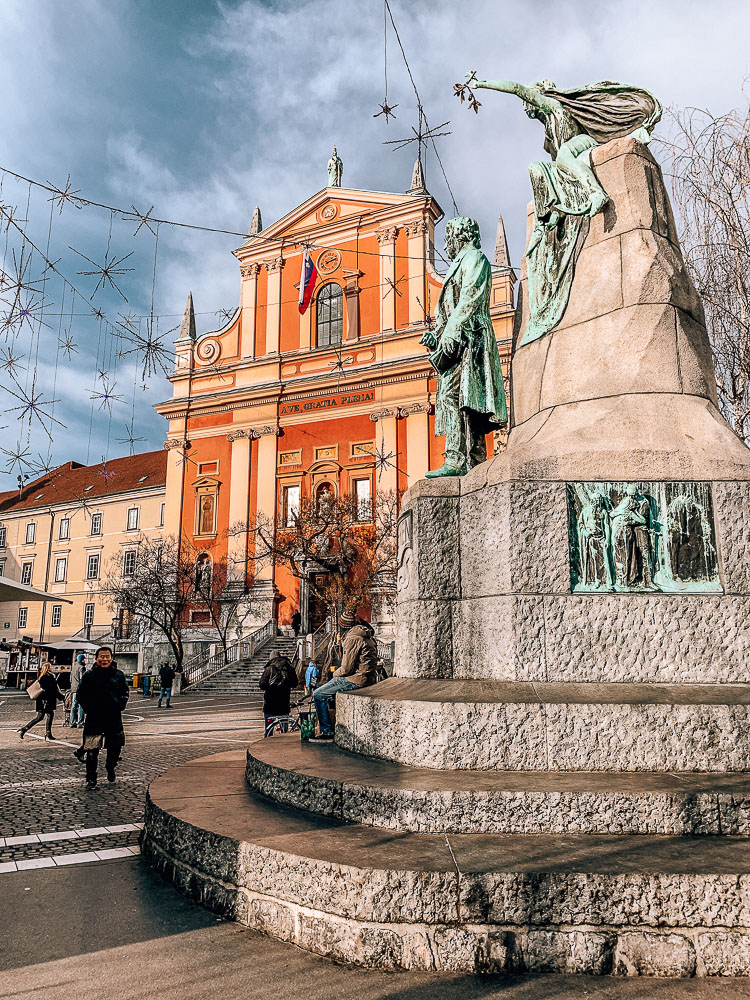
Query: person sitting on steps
point(358, 668)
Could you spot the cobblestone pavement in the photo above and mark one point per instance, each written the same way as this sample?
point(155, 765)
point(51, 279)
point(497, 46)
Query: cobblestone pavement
point(46, 810)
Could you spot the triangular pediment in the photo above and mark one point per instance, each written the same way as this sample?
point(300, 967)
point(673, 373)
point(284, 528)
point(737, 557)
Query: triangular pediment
point(328, 207)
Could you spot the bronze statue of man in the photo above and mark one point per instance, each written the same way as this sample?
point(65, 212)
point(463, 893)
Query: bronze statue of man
point(470, 397)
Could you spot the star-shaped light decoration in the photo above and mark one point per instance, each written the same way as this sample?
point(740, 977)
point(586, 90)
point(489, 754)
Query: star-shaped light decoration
point(422, 135)
point(387, 110)
point(18, 457)
point(99, 313)
point(28, 312)
point(65, 196)
point(226, 314)
point(9, 213)
point(339, 364)
point(106, 473)
point(10, 361)
point(130, 322)
point(33, 406)
point(392, 286)
point(68, 346)
point(383, 459)
point(107, 396)
point(42, 466)
point(17, 282)
point(51, 265)
point(130, 439)
point(106, 272)
point(154, 355)
point(143, 220)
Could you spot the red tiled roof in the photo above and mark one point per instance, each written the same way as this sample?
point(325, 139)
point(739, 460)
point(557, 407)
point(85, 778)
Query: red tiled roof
point(69, 482)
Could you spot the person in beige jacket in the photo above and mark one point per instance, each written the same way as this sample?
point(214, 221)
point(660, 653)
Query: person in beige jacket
point(359, 660)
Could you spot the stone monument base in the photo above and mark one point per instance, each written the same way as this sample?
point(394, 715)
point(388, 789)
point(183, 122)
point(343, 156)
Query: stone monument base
point(513, 902)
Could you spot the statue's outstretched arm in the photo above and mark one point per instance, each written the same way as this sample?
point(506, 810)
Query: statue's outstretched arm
point(532, 95)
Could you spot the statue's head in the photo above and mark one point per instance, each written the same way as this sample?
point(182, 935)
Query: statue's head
point(334, 153)
point(459, 232)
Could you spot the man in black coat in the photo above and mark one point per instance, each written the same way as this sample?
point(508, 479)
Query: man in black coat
point(166, 678)
point(276, 683)
point(103, 693)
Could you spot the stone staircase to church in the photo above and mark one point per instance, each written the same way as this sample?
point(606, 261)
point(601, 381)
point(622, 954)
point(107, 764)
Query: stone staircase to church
point(241, 676)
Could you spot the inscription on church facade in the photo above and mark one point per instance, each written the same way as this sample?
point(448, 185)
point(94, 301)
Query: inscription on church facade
point(328, 402)
point(642, 537)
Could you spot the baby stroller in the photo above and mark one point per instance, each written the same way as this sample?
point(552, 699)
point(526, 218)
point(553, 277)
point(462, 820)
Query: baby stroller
point(300, 712)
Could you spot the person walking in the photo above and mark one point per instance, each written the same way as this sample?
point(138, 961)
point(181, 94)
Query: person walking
point(296, 623)
point(166, 676)
point(276, 683)
point(103, 693)
point(46, 702)
point(359, 657)
point(76, 673)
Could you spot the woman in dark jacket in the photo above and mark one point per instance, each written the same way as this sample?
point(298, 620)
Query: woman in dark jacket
point(276, 683)
point(45, 703)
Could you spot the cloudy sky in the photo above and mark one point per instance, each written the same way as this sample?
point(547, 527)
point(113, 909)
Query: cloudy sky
point(205, 109)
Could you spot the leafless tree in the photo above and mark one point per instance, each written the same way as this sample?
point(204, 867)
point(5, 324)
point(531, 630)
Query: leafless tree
point(349, 543)
point(709, 168)
point(221, 592)
point(157, 593)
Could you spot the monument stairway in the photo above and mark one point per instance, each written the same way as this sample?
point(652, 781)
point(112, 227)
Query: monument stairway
point(557, 778)
point(241, 676)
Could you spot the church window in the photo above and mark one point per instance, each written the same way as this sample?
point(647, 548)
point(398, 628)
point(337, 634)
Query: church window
point(205, 515)
point(290, 505)
point(330, 315)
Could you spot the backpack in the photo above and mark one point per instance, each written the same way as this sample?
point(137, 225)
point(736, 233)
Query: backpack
point(277, 676)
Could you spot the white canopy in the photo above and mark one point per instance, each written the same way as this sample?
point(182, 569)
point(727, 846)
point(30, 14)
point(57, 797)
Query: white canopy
point(10, 590)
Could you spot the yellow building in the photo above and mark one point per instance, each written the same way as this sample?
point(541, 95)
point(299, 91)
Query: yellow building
point(60, 534)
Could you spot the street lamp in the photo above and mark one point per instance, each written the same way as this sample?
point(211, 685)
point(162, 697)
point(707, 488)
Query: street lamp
point(115, 633)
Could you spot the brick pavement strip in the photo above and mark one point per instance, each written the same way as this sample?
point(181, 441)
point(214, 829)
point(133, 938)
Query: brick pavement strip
point(42, 786)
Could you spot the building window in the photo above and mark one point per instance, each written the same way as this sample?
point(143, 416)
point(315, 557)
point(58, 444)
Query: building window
point(363, 499)
point(56, 615)
point(3, 533)
point(132, 519)
point(2, 567)
point(330, 315)
point(290, 506)
point(92, 566)
point(64, 531)
point(88, 614)
point(96, 524)
point(26, 571)
point(31, 532)
point(128, 562)
point(203, 571)
point(23, 614)
point(206, 514)
point(200, 618)
point(61, 565)
point(161, 515)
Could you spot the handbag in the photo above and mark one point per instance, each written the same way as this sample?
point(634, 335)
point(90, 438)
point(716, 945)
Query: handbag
point(95, 742)
point(34, 690)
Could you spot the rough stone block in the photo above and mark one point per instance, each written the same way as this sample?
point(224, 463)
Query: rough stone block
point(438, 564)
point(539, 550)
point(424, 639)
point(724, 953)
point(732, 513)
point(653, 270)
point(499, 638)
point(486, 540)
point(694, 354)
point(587, 953)
point(526, 381)
point(598, 285)
point(644, 954)
point(270, 916)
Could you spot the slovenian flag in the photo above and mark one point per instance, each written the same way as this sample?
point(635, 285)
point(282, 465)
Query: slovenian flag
point(306, 281)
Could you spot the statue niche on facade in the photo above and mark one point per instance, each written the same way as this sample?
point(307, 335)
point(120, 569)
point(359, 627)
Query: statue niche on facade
point(566, 191)
point(470, 399)
point(335, 170)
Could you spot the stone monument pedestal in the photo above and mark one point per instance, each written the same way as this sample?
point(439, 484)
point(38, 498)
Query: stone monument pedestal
point(556, 778)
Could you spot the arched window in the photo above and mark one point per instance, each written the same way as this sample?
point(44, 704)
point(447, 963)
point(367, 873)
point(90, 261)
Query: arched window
point(330, 315)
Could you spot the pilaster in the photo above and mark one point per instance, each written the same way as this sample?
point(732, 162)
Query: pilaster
point(351, 297)
point(266, 473)
point(417, 441)
point(387, 459)
point(386, 238)
point(417, 233)
point(248, 304)
point(239, 500)
point(175, 448)
point(273, 305)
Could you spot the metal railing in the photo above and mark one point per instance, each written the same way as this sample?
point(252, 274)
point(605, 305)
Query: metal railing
point(320, 638)
point(199, 667)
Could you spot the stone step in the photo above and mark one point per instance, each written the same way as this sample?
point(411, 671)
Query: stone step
point(520, 726)
point(677, 906)
point(323, 778)
point(243, 677)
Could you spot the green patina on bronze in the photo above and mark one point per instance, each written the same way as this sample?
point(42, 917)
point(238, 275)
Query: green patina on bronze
point(470, 397)
point(335, 169)
point(641, 537)
point(566, 192)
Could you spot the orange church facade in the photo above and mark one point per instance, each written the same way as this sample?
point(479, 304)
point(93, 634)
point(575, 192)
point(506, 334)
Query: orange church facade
point(278, 405)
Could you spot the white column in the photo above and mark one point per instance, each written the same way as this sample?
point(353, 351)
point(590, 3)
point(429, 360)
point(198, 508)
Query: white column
point(417, 237)
point(273, 305)
point(387, 458)
point(387, 241)
point(174, 486)
point(239, 500)
point(266, 505)
point(248, 302)
point(417, 441)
